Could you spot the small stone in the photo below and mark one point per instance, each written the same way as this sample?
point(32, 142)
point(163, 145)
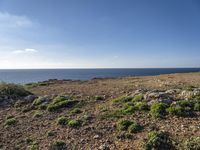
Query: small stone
point(104, 147)
point(96, 137)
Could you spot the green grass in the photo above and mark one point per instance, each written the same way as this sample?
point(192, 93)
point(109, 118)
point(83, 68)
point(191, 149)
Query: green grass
point(37, 114)
point(158, 140)
point(123, 125)
point(193, 144)
point(134, 127)
point(62, 121)
point(128, 110)
point(13, 90)
point(138, 98)
point(197, 106)
point(38, 101)
point(75, 111)
point(74, 123)
point(61, 104)
point(142, 106)
point(10, 122)
point(122, 99)
point(158, 110)
point(58, 145)
point(33, 146)
point(176, 110)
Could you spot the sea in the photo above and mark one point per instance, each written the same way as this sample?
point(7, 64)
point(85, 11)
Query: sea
point(24, 76)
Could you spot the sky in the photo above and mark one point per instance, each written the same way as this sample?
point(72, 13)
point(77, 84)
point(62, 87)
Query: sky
point(99, 34)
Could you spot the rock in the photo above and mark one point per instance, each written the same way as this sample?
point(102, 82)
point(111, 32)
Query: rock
point(104, 147)
point(172, 91)
point(185, 94)
point(30, 98)
point(96, 137)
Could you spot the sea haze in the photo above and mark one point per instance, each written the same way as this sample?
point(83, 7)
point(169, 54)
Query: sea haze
point(23, 76)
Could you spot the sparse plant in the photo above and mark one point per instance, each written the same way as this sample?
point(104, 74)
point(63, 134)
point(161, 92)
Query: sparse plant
point(134, 127)
point(176, 110)
point(74, 123)
point(137, 98)
point(50, 133)
point(37, 114)
point(122, 99)
point(128, 110)
point(75, 111)
point(197, 106)
point(158, 110)
point(10, 122)
point(193, 144)
point(62, 121)
point(59, 145)
point(158, 140)
point(142, 106)
point(123, 125)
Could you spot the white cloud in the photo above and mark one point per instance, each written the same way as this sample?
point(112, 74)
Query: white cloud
point(27, 50)
point(14, 21)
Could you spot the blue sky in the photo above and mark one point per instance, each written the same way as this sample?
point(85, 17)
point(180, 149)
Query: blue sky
point(99, 33)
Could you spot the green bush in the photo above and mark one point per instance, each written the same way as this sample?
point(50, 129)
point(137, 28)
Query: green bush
point(134, 127)
point(123, 125)
point(158, 140)
point(75, 111)
point(33, 146)
point(9, 117)
point(158, 110)
point(128, 110)
point(62, 121)
point(197, 106)
point(193, 144)
point(50, 133)
point(13, 90)
point(186, 103)
point(61, 104)
point(122, 99)
point(141, 106)
point(176, 110)
point(38, 101)
point(59, 145)
point(10, 122)
point(74, 123)
point(137, 98)
point(37, 114)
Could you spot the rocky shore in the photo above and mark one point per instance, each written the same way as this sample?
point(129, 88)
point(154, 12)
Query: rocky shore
point(153, 112)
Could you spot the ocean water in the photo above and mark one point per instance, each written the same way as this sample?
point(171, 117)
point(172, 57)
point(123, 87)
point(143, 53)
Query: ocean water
point(35, 75)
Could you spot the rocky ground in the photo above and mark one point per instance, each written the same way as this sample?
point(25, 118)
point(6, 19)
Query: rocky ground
point(89, 115)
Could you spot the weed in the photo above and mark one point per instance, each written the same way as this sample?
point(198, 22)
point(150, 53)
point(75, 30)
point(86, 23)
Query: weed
point(59, 145)
point(74, 123)
point(158, 110)
point(62, 121)
point(123, 125)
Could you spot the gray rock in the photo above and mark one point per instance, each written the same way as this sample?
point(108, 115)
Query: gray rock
point(104, 147)
point(30, 98)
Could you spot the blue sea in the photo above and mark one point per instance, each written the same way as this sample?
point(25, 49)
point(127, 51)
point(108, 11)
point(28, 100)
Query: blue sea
point(23, 76)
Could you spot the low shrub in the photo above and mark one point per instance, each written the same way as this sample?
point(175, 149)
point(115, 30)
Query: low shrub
point(10, 122)
point(33, 146)
point(13, 90)
point(122, 99)
point(75, 111)
point(50, 133)
point(38, 101)
point(59, 145)
point(137, 98)
point(176, 110)
point(193, 144)
point(158, 140)
point(158, 110)
point(186, 103)
point(74, 123)
point(142, 106)
point(62, 121)
point(123, 125)
point(37, 114)
point(9, 117)
point(134, 127)
point(128, 110)
point(62, 104)
point(197, 106)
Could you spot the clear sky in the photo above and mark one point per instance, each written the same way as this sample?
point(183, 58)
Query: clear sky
point(99, 33)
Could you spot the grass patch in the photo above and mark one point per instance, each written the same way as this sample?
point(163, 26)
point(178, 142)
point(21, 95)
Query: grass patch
point(138, 98)
point(158, 140)
point(176, 110)
point(197, 106)
point(158, 110)
point(193, 144)
point(127, 125)
point(128, 110)
point(59, 145)
point(33, 146)
point(38, 101)
point(74, 123)
point(142, 106)
point(112, 114)
point(61, 104)
point(122, 99)
point(37, 114)
point(62, 121)
point(10, 122)
point(75, 111)
point(13, 91)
